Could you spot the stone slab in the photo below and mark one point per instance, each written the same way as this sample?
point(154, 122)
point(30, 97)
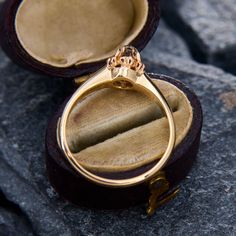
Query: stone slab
point(166, 41)
point(208, 26)
point(205, 205)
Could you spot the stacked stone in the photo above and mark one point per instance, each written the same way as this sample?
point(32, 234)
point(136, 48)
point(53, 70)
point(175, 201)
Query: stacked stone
point(208, 26)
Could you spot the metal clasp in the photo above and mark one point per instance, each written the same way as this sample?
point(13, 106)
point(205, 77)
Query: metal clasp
point(159, 186)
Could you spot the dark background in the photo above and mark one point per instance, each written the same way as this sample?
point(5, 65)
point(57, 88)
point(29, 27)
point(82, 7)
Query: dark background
point(190, 33)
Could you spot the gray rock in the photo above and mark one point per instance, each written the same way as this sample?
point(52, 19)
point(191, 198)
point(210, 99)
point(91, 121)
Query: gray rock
point(165, 41)
point(12, 223)
point(209, 28)
point(205, 206)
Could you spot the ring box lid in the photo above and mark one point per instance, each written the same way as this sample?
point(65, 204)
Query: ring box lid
point(72, 38)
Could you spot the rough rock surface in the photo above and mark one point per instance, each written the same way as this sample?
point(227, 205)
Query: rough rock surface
point(209, 28)
point(165, 41)
point(29, 206)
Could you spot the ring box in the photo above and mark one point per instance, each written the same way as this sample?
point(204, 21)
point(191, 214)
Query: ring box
point(114, 133)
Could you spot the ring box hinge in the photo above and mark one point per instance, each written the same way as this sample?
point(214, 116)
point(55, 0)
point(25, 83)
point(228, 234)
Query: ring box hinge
point(80, 80)
point(159, 186)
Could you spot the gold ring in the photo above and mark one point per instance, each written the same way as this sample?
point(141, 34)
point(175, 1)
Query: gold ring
point(123, 71)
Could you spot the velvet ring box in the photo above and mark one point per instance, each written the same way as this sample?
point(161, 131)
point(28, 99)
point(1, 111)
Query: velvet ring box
point(113, 133)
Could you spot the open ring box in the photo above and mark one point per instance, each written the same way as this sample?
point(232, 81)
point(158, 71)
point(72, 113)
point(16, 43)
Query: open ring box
point(114, 133)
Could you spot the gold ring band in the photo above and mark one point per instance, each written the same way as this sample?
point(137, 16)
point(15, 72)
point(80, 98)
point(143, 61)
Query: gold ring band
point(122, 72)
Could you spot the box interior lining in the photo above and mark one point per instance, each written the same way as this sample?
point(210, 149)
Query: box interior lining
point(66, 33)
point(115, 130)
